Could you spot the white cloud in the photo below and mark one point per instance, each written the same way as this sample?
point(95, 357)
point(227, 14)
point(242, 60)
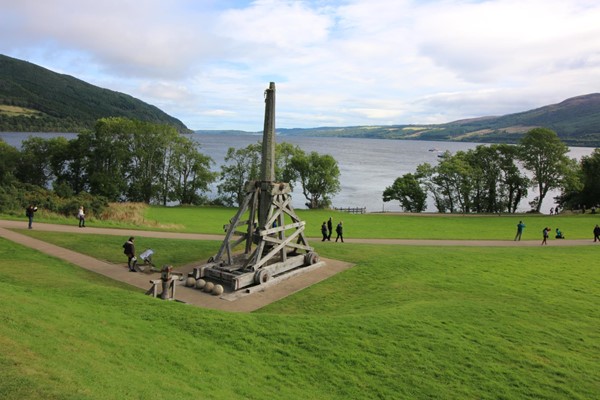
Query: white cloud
point(335, 63)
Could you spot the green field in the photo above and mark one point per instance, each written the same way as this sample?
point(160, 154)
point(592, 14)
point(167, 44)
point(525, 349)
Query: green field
point(373, 225)
point(403, 323)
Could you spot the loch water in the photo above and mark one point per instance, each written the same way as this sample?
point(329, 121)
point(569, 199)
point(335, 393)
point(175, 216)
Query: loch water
point(367, 166)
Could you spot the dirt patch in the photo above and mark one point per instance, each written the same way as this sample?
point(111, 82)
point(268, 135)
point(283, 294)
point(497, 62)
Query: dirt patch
point(256, 297)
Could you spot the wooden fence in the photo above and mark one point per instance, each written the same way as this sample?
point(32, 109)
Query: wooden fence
point(355, 210)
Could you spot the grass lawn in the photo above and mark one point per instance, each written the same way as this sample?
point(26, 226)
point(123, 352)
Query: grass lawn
point(373, 225)
point(404, 323)
point(109, 248)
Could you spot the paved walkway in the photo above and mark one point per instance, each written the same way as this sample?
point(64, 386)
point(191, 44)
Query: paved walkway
point(241, 302)
point(257, 298)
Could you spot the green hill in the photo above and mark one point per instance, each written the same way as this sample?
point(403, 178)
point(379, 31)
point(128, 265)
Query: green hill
point(575, 120)
point(35, 99)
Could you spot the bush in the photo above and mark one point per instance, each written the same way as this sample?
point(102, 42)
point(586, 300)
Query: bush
point(15, 198)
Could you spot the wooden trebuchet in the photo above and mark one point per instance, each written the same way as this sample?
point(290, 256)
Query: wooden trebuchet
point(271, 233)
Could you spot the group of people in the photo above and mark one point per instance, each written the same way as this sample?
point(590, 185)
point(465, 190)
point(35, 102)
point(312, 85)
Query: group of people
point(327, 230)
point(31, 210)
point(558, 235)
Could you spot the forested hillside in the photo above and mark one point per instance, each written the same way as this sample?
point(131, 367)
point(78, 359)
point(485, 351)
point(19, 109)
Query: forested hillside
point(35, 99)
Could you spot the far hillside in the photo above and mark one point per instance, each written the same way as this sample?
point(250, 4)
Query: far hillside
point(35, 99)
point(575, 120)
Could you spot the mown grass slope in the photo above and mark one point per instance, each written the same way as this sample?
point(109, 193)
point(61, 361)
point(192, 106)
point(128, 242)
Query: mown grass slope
point(373, 225)
point(405, 322)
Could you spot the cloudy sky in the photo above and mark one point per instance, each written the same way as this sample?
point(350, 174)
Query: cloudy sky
point(335, 63)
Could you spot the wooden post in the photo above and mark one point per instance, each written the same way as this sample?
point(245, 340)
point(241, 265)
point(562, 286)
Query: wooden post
point(267, 168)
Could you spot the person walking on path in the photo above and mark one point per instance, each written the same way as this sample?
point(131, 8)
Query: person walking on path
point(520, 227)
point(597, 233)
point(29, 212)
point(340, 232)
point(324, 231)
point(329, 228)
point(130, 253)
point(545, 235)
point(81, 217)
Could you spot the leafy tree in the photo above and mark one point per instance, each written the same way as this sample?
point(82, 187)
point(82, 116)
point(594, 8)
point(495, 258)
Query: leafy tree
point(590, 168)
point(284, 153)
point(108, 164)
point(191, 173)
point(318, 176)
point(34, 162)
point(9, 158)
point(456, 176)
point(426, 171)
point(77, 173)
point(146, 148)
point(241, 166)
point(142, 161)
point(484, 179)
point(543, 153)
point(514, 183)
point(408, 191)
point(497, 182)
point(59, 156)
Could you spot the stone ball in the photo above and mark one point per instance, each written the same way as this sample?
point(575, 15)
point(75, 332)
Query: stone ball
point(190, 281)
point(200, 283)
point(209, 287)
point(217, 290)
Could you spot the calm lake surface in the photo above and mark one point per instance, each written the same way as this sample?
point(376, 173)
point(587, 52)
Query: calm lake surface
point(367, 166)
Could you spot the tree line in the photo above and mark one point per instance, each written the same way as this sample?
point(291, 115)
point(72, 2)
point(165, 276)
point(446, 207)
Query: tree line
point(130, 160)
point(492, 179)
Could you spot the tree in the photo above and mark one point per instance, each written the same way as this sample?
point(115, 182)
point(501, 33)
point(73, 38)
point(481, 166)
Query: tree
point(408, 191)
point(190, 174)
point(318, 176)
point(241, 166)
point(9, 158)
point(142, 161)
point(484, 179)
point(34, 162)
point(590, 171)
point(514, 183)
point(498, 185)
point(146, 148)
point(545, 155)
point(426, 171)
point(108, 163)
point(456, 176)
point(284, 171)
point(583, 187)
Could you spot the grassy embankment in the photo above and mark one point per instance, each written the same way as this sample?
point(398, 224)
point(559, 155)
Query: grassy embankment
point(405, 322)
point(374, 225)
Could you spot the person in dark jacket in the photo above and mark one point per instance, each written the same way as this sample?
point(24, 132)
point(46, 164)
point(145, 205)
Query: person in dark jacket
point(324, 231)
point(340, 232)
point(29, 212)
point(597, 233)
point(130, 253)
point(545, 232)
point(329, 228)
